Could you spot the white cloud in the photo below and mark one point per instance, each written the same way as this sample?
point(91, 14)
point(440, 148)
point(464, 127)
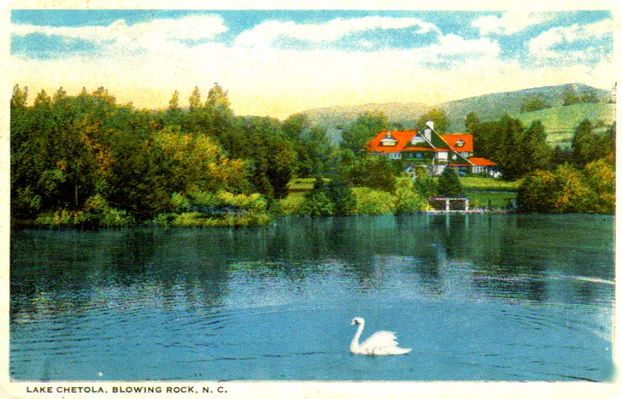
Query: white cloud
point(510, 22)
point(195, 27)
point(543, 46)
point(454, 45)
point(271, 81)
point(266, 33)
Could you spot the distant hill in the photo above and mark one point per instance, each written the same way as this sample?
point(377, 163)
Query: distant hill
point(493, 106)
point(560, 121)
point(487, 107)
point(340, 116)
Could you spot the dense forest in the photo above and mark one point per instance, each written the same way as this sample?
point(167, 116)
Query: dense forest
point(85, 160)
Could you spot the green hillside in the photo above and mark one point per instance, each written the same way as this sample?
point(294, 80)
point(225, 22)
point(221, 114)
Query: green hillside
point(561, 121)
point(494, 105)
point(487, 107)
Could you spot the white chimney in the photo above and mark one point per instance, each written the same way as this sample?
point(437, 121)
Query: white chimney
point(430, 124)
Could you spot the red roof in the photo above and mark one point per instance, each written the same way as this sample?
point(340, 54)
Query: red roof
point(418, 149)
point(454, 139)
point(402, 137)
point(481, 162)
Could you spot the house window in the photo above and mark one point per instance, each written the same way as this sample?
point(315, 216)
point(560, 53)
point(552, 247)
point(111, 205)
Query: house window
point(441, 156)
point(418, 155)
point(395, 155)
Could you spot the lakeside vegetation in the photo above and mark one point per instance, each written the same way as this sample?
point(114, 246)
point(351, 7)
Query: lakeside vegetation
point(87, 161)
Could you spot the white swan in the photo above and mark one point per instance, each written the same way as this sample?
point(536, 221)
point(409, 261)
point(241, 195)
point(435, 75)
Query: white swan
point(380, 343)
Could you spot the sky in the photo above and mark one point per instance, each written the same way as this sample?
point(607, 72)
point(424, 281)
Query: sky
point(278, 63)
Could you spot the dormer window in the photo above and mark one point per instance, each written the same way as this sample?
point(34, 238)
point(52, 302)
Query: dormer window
point(388, 141)
point(459, 143)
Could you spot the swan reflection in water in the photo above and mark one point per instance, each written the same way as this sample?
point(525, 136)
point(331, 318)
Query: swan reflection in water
point(380, 343)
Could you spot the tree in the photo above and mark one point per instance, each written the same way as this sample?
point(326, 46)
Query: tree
point(197, 162)
point(174, 114)
point(425, 185)
point(407, 198)
point(356, 136)
point(600, 177)
point(218, 119)
point(217, 98)
point(317, 202)
point(564, 190)
point(194, 100)
point(508, 155)
point(139, 182)
point(535, 152)
point(586, 145)
point(471, 121)
point(533, 103)
point(173, 104)
point(436, 115)
point(536, 192)
point(20, 97)
point(272, 156)
point(342, 197)
point(449, 184)
point(372, 171)
point(570, 96)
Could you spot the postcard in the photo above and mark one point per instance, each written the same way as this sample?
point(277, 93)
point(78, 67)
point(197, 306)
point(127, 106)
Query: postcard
point(368, 200)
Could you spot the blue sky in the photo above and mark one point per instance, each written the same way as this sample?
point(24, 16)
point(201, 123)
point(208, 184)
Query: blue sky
point(267, 58)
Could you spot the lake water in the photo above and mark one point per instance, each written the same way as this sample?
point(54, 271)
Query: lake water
point(476, 297)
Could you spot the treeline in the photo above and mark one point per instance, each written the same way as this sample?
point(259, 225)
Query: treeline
point(569, 96)
point(580, 179)
point(86, 160)
point(584, 182)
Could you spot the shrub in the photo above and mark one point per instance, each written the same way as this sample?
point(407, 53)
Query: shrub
point(407, 199)
point(373, 202)
point(97, 212)
point(179, 202)
point(291, 204)
point(601, 178)
point(317, 203)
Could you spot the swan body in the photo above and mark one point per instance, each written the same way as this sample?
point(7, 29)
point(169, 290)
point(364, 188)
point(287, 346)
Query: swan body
point(380, 343)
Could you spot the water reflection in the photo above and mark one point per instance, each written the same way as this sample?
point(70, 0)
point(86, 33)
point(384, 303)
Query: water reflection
point(467, 256)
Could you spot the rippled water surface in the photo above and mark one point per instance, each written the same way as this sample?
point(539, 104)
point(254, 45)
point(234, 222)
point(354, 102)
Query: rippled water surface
point(477, 297)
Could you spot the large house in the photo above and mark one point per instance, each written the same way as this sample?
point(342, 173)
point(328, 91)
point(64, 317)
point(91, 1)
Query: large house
point(433, 150)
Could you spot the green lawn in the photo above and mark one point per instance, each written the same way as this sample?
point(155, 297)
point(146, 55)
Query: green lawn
point(488, 183)
point(481, 191)
point(302, 184)
point(498, 199)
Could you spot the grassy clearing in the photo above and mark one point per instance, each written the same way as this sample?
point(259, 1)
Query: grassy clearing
point(302, 184)
point(494, 199)
point(488, 183)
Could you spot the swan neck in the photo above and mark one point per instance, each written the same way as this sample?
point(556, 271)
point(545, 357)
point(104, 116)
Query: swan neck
point(355, 341)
